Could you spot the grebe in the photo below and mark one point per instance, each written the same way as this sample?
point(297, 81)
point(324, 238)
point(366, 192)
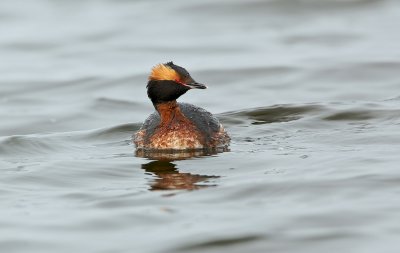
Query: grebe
point(177, 126)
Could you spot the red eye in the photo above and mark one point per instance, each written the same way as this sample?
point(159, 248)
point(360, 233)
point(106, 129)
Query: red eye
point(179, 81)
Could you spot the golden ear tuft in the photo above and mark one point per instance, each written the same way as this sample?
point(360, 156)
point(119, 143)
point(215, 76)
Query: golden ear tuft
point(163, 72)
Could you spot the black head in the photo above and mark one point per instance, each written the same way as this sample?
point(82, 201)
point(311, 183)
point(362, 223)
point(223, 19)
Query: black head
point(167, 82)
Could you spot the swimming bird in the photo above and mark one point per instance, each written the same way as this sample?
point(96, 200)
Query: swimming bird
point(177, 126)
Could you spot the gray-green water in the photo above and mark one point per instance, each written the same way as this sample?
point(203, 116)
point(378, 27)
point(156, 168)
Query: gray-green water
point(309, 91)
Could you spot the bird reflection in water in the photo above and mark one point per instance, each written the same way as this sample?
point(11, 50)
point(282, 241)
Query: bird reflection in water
point(168, 175)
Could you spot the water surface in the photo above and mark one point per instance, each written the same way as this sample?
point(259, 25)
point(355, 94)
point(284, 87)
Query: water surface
point(308, 90)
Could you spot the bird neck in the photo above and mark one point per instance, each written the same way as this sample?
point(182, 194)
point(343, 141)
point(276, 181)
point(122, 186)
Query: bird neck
point(169, 112)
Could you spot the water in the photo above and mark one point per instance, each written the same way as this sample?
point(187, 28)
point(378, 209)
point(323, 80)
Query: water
point(308, 90)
